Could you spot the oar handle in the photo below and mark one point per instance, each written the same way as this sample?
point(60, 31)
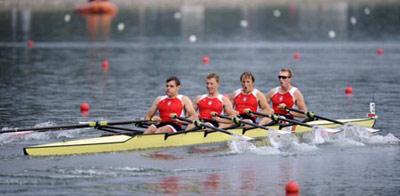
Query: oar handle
point(238, 121)
point(197, 123)
point(312, 115)
point(279, 118)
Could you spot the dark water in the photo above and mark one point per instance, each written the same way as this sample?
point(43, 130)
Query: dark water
point(47, 83)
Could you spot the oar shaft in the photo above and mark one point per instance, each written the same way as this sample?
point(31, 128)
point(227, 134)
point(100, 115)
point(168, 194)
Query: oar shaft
point(276, 117)
point(313, 115)
point(39, 129)
point(242, 121)
point(76, 126)
point(200, 124)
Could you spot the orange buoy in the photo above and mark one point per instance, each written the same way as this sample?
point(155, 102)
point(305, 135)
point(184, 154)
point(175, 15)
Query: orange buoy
point(97, 7)
point(379, 51)
point(206, 60)
point(85, 107)
point(348, 90)
point(30, 44)
point(292, 187)
point(105, 64)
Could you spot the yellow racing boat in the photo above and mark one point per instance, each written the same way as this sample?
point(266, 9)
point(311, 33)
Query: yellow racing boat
point(127, 142)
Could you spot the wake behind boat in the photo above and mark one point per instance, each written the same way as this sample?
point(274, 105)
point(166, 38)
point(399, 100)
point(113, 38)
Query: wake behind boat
point(137, 141)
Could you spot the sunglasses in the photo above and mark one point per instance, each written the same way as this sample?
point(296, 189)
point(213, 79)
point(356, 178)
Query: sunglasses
point(283, 77)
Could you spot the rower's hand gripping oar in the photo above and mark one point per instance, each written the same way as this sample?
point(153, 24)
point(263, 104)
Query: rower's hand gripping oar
point(239, 122)
point(92, 124)
point(277, 118)
point(200, 124)
point(313, 116)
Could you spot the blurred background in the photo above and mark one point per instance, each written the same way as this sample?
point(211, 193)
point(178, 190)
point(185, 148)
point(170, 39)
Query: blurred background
point(210, 21)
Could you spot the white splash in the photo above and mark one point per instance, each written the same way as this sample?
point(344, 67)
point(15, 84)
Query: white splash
point(367, 136)
point(347, 135)
point(240, 146)
point(344, 136)
point(15, 137)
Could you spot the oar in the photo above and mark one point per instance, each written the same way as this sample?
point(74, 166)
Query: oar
point(93, 124)
point(200, 124)
point(239, 121)
point(279, 118)
point(276, 118)
point(312, 115)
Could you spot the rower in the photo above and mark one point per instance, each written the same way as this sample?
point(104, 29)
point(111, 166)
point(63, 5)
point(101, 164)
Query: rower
point(171, 103)
point(249, 98)
point(214, 102)
point(286, 95)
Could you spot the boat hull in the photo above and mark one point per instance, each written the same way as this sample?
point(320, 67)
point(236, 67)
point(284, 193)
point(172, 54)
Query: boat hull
point(139, 142)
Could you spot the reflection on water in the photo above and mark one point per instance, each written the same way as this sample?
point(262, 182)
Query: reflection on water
point(290, 20)
point(98, 26)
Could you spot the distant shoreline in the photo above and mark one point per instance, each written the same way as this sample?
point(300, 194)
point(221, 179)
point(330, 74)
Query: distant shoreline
point(176, 4)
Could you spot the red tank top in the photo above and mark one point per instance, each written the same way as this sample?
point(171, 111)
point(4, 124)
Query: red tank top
point(286, 98)
point(168, 106)
point(243, 101)
point(206, 105)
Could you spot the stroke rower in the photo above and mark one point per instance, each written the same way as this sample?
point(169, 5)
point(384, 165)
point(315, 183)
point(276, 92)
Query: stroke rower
point(250, 98)
point(214, 102)
point(171, 103)
point(286, 95)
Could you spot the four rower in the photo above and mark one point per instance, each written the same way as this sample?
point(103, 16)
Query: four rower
point(170, 104)
point(243, 99)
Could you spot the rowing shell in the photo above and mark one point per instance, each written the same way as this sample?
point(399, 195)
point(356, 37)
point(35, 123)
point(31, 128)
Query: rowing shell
point(139, 142)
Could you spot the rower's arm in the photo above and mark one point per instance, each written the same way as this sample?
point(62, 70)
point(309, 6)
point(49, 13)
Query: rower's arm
point(191, 112)
point(268, 97)
point(153, 109)
point(301, 105)
point(265, 108)
point(228, 110)
point(230, 98)
point(228, 107)
point(195, 106)
point(262, 101)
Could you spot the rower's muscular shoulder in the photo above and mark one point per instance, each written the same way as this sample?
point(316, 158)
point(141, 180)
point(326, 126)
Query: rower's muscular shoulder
point(158, 99)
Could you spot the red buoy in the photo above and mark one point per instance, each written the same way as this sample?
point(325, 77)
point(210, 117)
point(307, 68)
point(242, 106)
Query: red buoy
point(296, 56)
point(348, 90)
point(206, 60)
point(379, 51)
point(105, 64)
point(292, 187)
point(30, 44)
point(85, 107)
